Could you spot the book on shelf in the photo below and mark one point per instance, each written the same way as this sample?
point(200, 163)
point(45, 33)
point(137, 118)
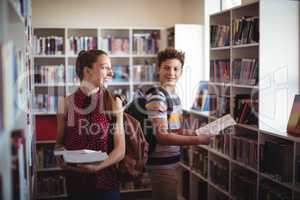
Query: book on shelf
point(144, 72)
point(245, 30)
point(71, 76)
point(219, 35)
point(293, 126)
point(200, 161)
point(49, 45)
point(243, 185)
point(245, 151)
point(115, 45)
point(220, 70)
point(50, 74)
point(219, 174)
point(185, 184)
point(76, 44)
point(271, 190)
point(221, 143)
point(202, 100)
point(146, 43)
point(246, 109)
point(53, 185)
point(202, 190)
point(45, 157)
point(245, 71)
point(280, 167)
point(121, 73)
point(45, 103)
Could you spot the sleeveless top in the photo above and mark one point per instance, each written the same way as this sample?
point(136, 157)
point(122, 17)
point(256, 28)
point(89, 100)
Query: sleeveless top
point(87, 128)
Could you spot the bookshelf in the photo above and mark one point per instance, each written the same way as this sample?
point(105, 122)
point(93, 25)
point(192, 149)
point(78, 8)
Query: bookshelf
point(132, 52)
point(16, 120)
point(247, 161)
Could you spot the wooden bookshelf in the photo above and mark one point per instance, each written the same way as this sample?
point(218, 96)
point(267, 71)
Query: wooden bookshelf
point(286, 176)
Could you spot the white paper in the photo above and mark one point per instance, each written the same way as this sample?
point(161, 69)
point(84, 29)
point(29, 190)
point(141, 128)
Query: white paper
point(218, 125)
point(82, 156)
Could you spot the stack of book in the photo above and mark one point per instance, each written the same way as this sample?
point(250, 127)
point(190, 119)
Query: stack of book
point(51, 45)
point(219, 174)
point(243, 185)
point(219, 35)
point(45, 158)
point(220, 71)
point(245, 71)
point(280, 167)
point(246, 109)
point(51, 186)
point(245, 30)
point(245, 151)
point(115, 45)
point(45, 103)
point(144, 72)
point(50, 74)
point(146, 43)
point(76, 44)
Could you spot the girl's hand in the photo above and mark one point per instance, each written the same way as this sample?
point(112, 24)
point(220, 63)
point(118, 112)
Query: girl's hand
point(88, 168)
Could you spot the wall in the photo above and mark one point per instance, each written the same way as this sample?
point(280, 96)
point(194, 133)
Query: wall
point(193, 11)
point(99, 13)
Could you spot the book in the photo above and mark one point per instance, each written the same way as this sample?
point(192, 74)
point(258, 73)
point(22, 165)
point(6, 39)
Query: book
point(293, 126)
point(81, 156)
point(218, 125)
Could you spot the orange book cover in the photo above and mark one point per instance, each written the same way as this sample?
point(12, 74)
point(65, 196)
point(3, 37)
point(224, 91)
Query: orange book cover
point(293, 126)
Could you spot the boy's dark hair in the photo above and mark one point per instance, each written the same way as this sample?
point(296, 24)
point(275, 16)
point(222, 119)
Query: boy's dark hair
point(170, 53)
point(87, 59)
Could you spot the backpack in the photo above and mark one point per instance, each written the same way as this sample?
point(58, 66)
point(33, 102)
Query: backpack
point(136, 155)
point(137, 109)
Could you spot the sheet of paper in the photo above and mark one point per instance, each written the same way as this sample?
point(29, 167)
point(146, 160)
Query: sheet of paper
point(218, 125)
point(82, 156)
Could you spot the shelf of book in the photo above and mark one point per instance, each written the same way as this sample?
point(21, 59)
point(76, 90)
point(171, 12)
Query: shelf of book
point(50, 169)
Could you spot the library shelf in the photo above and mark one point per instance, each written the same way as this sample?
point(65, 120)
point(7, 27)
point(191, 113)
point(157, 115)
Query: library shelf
point(136, 190)
point(220, 48)
point(52, 197)
point(45, 142)
point(245, 45)
point(244, 166)
point(52, 169)
point(269, 177)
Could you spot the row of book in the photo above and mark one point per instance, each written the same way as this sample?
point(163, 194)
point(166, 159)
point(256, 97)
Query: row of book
point(243, 185)
point(45, 103)
point(120, 72)
point(245, 30)
point(76, 44)
point(50, 74)
point(146, 43)
point(50, 186)
point(245, 71)
point(45, 158)
point(71, 75)
point(270, 190)
point(219, 174)
point(280, 166)
point(200, 162)
point(50, 45)
point(246, 109)
point(219, 105)
point(115, 45)
point(244, 150)
point(221, 143)
point(219, 35)
point(143, 72)
point(220, 70)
